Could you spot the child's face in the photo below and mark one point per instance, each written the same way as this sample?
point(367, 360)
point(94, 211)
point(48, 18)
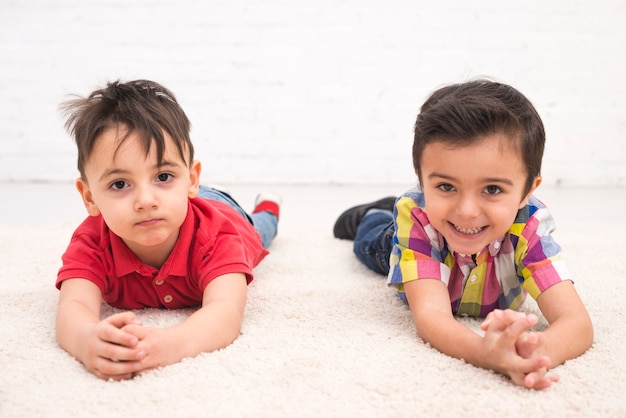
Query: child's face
point(473, 193)
point(143, 203)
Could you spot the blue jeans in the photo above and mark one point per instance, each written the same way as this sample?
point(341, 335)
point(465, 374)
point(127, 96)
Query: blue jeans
point(264, 223)
point(374, 241)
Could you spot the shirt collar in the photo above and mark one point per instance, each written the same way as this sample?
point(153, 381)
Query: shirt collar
point(493, 248)
point(126, 262)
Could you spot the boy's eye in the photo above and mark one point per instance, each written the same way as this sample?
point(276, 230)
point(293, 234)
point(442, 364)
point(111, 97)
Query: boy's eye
point(445, 187)
point(118, 185)
point(164, 177)
point(493, 190)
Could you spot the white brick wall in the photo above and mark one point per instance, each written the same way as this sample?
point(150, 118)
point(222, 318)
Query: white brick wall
point(318, 90)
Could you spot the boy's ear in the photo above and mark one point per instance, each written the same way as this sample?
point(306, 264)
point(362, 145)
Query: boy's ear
point(536, 182)
point(194, 178)
point(85, 193)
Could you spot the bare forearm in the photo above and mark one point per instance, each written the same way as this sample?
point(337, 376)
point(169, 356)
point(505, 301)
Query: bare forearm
point(72, 320)
point(218, 322)
point(570, 332)
point(212, 327)
point(568, 338)
point(435, 324)
point(452, 338)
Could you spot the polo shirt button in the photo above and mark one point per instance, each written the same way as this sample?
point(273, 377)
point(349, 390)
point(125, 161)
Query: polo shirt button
point(496, 245)
point(159, 282)
point(473, 278)
point(168, 299)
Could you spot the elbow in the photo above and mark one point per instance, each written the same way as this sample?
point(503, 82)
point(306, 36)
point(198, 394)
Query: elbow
point(585, 331)
point(581, 340)
point(232, 328)
point(422, 325)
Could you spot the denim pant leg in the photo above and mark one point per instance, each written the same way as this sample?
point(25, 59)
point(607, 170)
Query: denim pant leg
point(374, 241)
point(264, 223)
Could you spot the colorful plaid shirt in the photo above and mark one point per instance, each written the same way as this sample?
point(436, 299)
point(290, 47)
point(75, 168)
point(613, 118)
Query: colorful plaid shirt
point(526, 260)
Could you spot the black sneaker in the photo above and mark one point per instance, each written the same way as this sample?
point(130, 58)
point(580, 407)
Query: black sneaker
point(348, 222)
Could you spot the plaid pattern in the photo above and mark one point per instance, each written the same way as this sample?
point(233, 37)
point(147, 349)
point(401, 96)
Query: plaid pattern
point(526, 260)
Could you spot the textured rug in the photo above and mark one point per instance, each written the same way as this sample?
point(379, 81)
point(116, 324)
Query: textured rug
point(322, 335)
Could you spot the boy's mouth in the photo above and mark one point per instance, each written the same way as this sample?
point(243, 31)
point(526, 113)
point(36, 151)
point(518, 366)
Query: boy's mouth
point(149, 222)
point(469, 231)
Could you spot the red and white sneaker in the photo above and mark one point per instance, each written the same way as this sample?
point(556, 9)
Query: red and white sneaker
point(268, 202)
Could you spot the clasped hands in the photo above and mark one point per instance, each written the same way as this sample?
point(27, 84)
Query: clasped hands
point(117, 347)
point(514, 351)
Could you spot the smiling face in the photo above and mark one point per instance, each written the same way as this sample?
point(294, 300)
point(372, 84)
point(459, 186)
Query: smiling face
point(141, 201)
point(473, 192)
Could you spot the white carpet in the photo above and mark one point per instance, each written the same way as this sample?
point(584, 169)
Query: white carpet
point(322, 335)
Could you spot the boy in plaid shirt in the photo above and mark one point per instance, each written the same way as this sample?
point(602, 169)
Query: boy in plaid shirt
point(472, 240)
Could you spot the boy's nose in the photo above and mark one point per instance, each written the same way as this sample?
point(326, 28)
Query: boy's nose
point(146, 199)
point(468, 207)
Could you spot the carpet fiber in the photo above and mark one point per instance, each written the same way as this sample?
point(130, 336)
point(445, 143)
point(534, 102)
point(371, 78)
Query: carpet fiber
point(322, 335)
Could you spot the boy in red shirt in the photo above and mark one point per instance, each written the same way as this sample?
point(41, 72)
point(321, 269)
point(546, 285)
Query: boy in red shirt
point(154, 237)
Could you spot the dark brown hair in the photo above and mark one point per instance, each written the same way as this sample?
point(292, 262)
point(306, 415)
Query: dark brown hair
point(461, 114)
point(141, 106)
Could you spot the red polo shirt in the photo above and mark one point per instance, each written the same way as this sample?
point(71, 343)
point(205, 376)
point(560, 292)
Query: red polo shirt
point(214, 240)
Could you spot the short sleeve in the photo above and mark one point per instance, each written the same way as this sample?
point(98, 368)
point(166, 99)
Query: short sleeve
point(537, 255)
point(416, 252)
point(85, 256)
